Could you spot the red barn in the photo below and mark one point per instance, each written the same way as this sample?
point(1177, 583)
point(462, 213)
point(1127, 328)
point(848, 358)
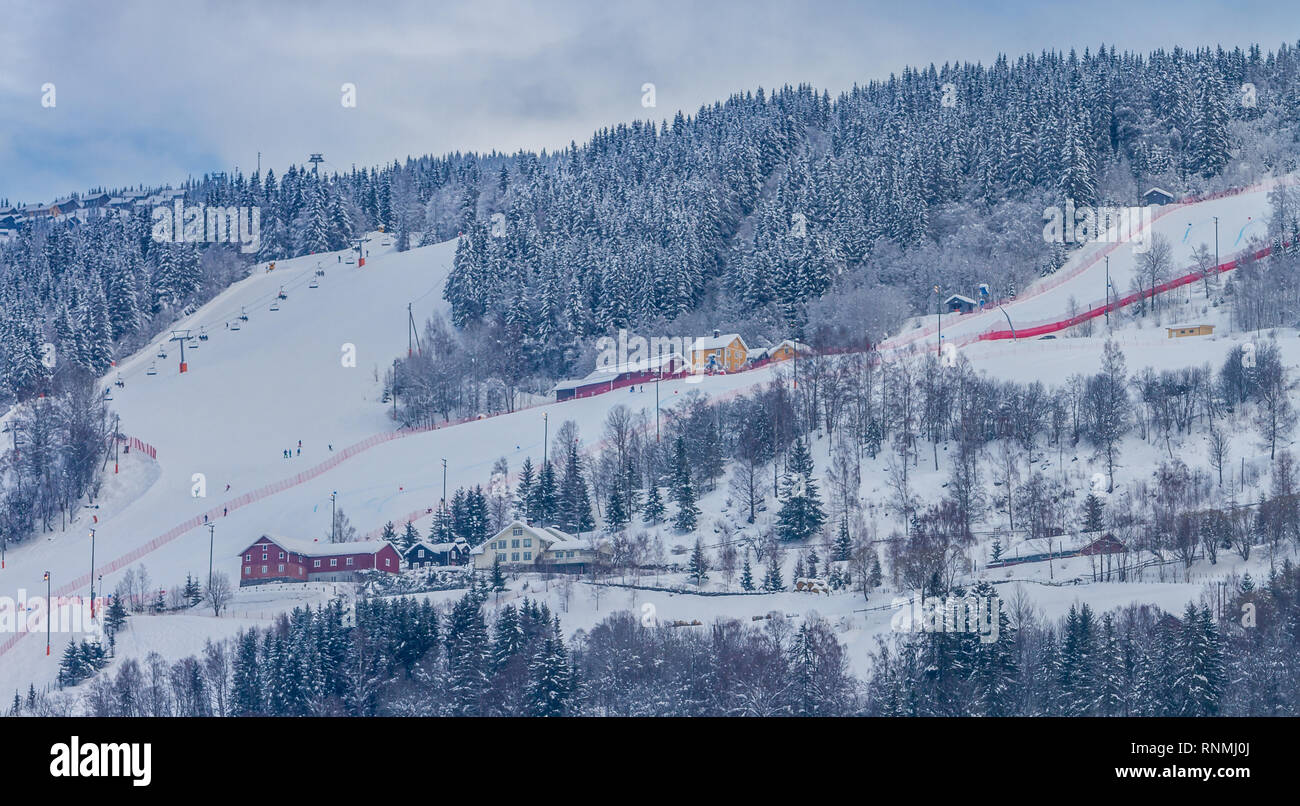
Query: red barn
point(1106, 544)
point(282, 559)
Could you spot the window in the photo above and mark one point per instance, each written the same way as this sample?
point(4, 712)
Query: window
point(282, 555)
point(264, 556)
point(316, 564)
point(514, 557)
point(528, 541)
point(281, 569)
point(501, 557)
point(248, 570)
point(349, 561)
point(517, 531)
point(387, 562)
point(248, 558)
point(334, 562)
point(264, 569)
point(514, 544)
point(528, 555)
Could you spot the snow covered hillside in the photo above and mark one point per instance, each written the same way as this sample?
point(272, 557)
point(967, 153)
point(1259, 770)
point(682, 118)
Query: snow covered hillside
point(255, 389)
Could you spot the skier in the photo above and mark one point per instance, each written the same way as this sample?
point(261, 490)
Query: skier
point(205, 517)
point(224, 510)
point(331, 448)
point(227, 488)
point(300, 444)
point(300, 451)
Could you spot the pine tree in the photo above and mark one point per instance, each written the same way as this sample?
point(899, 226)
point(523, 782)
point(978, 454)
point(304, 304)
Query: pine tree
point(550, 679)
point(1092, 513)
point(653, 513)
point(683, 491)
point(498, 576)
point(747, 575)
point(843, 542)
point(772, 578)
point(801, 514)
point(698, 567)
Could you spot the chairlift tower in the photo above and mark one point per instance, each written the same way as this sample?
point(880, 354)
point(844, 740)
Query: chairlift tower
point(181, 336)
point(315, 160)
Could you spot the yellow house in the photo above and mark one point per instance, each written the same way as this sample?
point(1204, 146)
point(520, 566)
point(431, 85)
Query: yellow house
point(786, 350)
point(523, 547)
point(1182, 331)
point(726, 352)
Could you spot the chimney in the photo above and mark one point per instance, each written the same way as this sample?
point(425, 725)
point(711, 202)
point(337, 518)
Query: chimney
point(716, 333)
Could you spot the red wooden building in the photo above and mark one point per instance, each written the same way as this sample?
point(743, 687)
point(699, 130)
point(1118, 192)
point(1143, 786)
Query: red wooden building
point(282, 559)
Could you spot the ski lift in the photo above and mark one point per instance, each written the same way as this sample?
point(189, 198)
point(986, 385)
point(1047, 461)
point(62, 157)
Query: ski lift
point(314, 284)
point(281, 295)
point(350, 262)
point(162, 353)
point(275, 306)
point(203, 334)
point(243, 315)
point(235, 326)
point(153, 370)
point(107, 395)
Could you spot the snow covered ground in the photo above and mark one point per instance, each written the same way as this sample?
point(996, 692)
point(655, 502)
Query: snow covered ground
point(252, 393)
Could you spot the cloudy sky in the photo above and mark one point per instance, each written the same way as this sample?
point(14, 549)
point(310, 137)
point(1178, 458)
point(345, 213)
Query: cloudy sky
point(154, 91)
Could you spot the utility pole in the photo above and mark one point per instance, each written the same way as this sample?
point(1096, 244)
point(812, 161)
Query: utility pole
point(1107, 290)
point(1216, 242)
point(92, 574)
point(412, 333)
point(211, 530)
point(657, 379)
point(394, 390)
point(444, 482)
point(48, 613)
point(117, 429)
point(333, 517)
point(545, 436)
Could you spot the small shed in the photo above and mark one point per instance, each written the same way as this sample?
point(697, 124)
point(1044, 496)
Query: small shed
point(1106, 544)
point(1158, 196)
point(1184, 330)
point(959, 304)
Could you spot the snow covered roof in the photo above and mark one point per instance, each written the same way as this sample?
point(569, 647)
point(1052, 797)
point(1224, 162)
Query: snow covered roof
point(717, 342)
point(793, 345)
point(1186, 325)
point(1161, 191)
point(313, 548)
point(640, 365)
point(960, 298)
point(437, 548)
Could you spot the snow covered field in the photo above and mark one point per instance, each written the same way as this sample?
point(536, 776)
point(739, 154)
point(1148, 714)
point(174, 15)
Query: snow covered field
point(252, 393)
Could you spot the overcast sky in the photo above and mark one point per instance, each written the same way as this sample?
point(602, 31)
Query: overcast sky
point(157, 91)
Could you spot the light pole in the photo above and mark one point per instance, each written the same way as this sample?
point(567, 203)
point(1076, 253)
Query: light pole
point(444, 481)
point(1108, 290)
point(48, 613)
point(333, 517)
point(1216, 242)
point(211, 536)
point(545, 437)
point(92, 574)
point(394, 390)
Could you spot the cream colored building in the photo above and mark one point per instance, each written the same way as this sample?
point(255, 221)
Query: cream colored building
point(524, 547)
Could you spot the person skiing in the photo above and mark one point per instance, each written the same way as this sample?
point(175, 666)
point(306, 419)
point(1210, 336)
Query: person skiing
point(224, 510)
point(205, 517)
point(300, 450)
point(300, 444)
point(227, 488)
point(331, 447)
